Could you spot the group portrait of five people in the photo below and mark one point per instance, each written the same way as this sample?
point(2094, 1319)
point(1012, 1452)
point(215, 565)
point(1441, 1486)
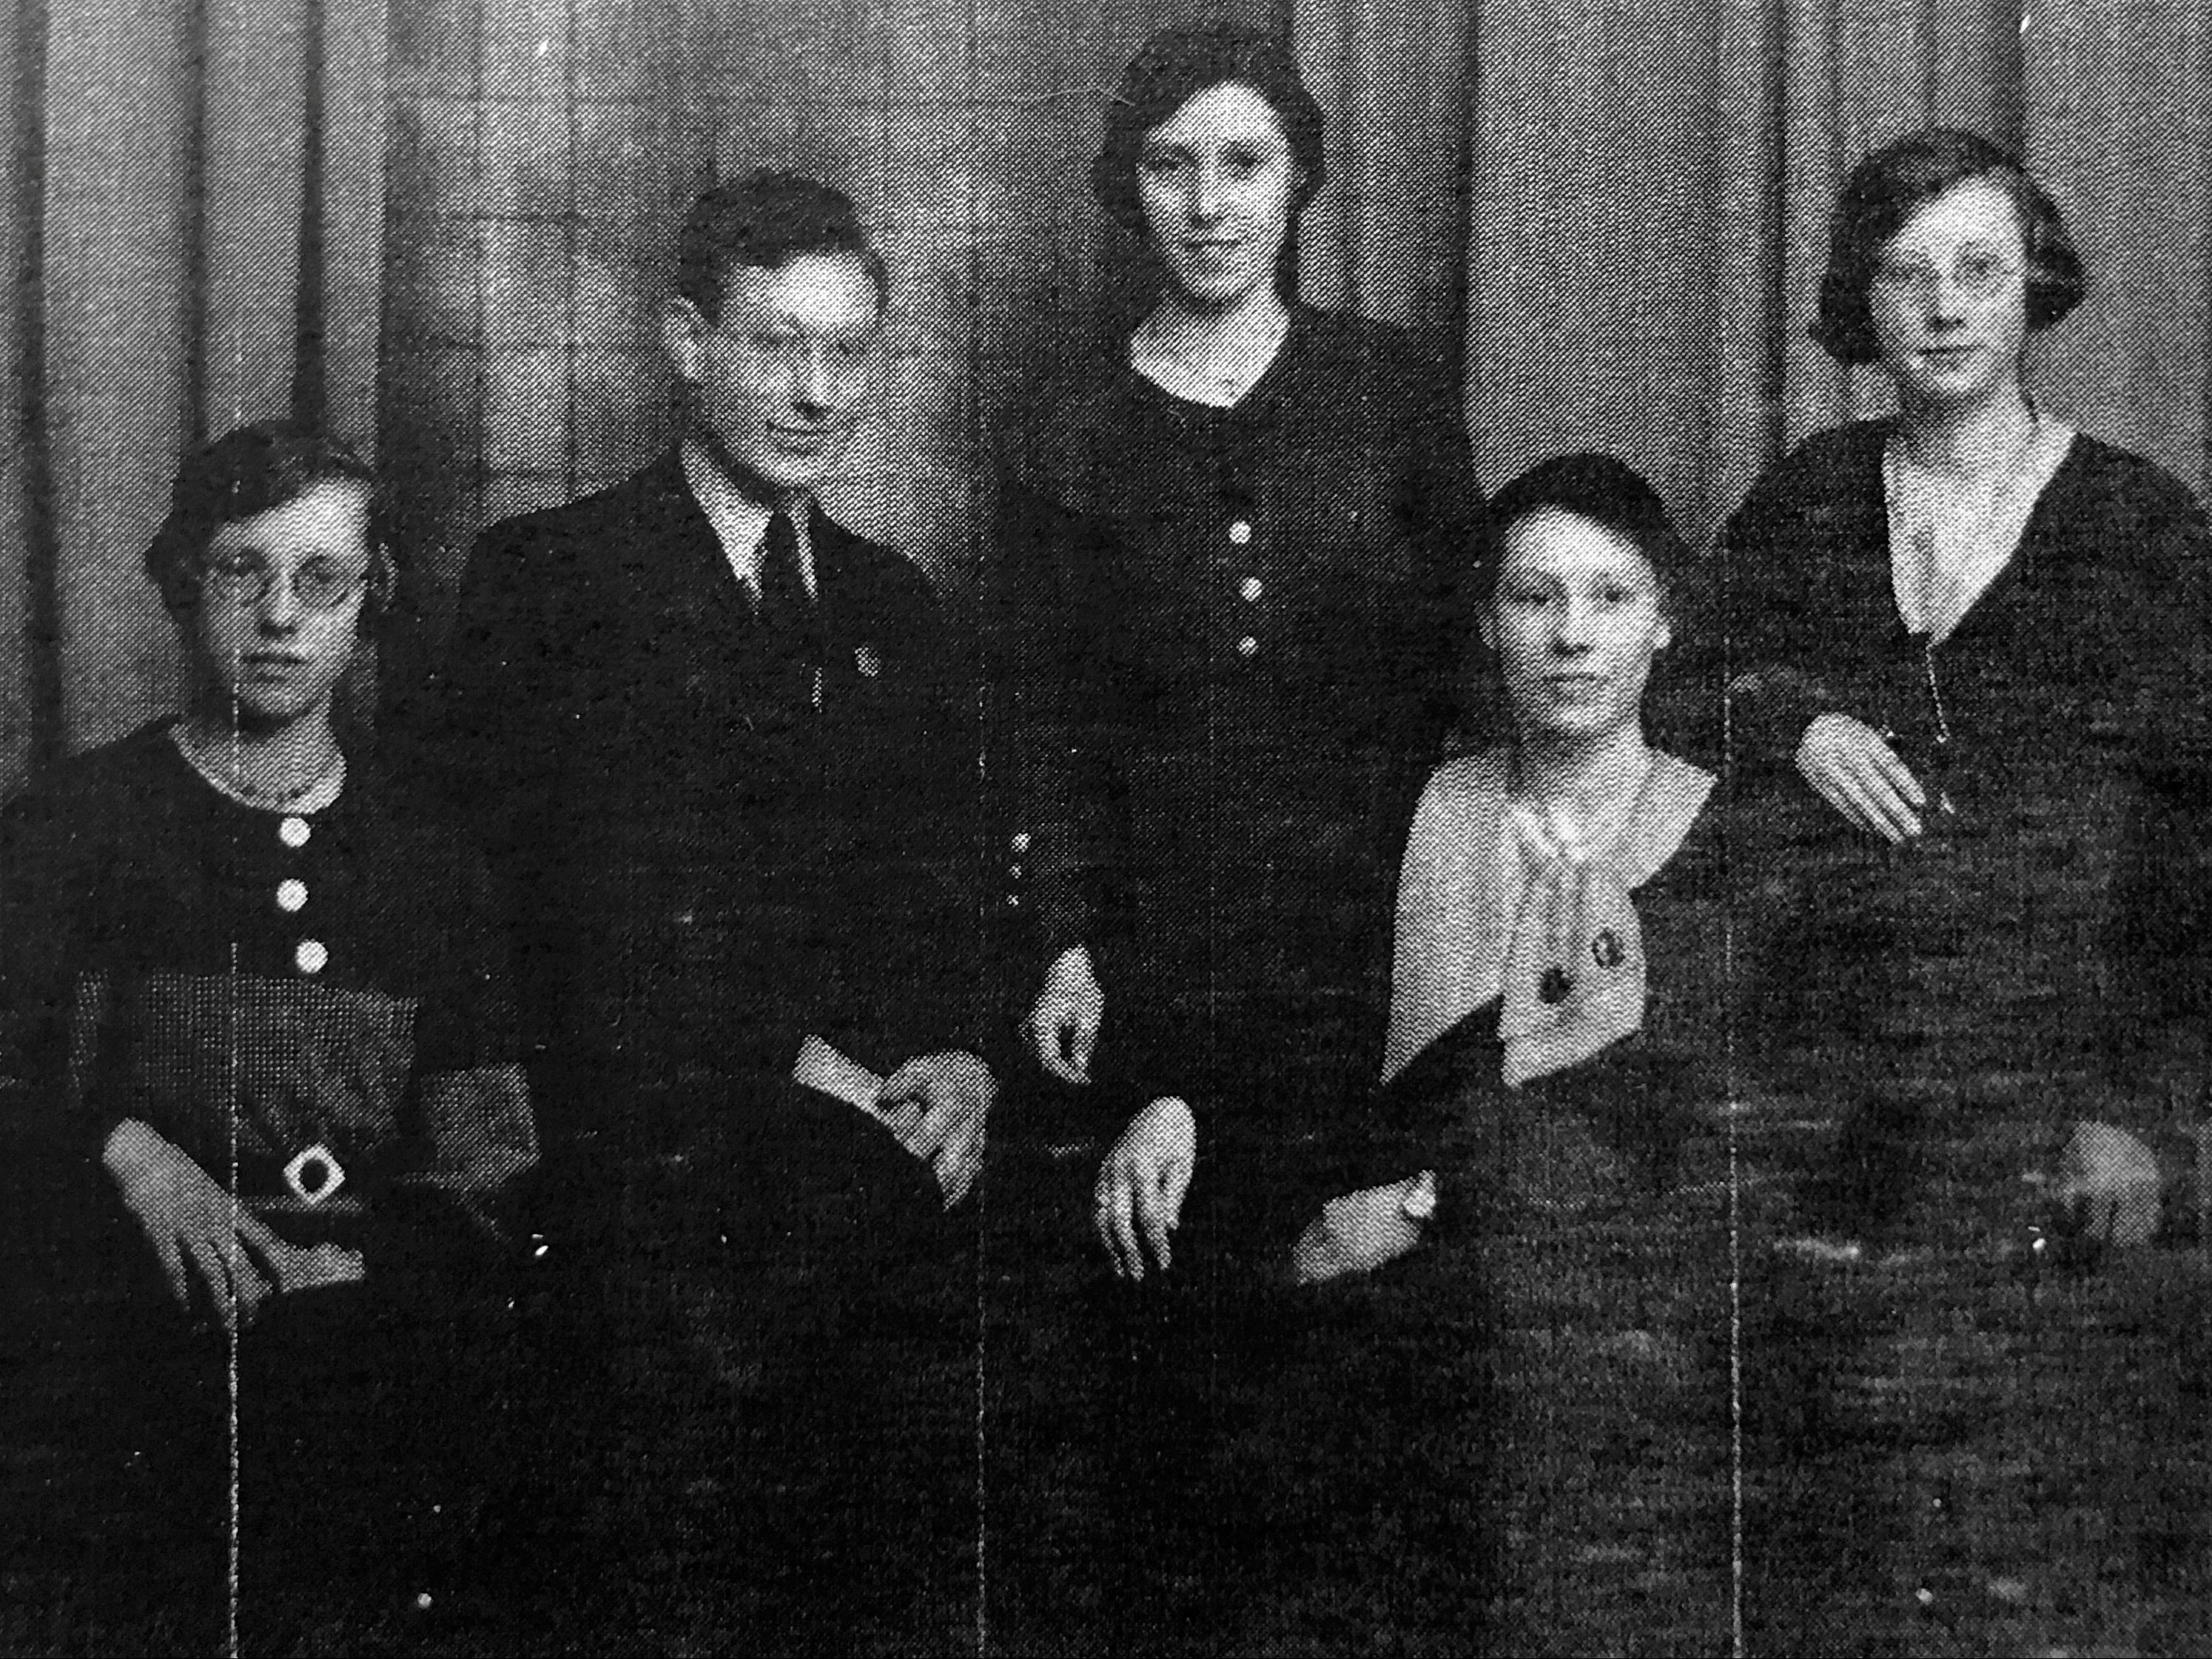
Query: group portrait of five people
point(529, 1155)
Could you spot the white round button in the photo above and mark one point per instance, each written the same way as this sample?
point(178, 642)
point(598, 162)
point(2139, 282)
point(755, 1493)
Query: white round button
point(291, 896)
point(1241, 534)
point(1250, 587)
point(293, 832)
point(1248, 646)
point(313, 956)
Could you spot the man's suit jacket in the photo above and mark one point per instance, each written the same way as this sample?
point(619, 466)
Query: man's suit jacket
point(704, 866)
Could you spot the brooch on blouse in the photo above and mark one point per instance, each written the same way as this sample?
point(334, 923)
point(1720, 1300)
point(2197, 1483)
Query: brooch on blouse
point(866, 659)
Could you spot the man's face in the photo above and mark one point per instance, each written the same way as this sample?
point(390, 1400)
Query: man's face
point(781, 375)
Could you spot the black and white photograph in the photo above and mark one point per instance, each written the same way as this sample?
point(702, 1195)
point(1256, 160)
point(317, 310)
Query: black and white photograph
point(1246, 827)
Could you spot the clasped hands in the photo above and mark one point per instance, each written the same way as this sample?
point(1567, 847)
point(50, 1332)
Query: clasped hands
point(201, 1233)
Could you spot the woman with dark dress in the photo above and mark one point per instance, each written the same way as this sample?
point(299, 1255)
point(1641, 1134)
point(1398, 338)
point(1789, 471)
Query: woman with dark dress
point(1227, 556)
point(260, 1013)
point(1967, 709)
point(1507, 1426)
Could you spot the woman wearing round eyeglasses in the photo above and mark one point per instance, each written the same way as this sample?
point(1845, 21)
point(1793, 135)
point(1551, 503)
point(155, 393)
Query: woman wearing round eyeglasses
point(1968, 638)
point(261, 1008)
point(1968, 681)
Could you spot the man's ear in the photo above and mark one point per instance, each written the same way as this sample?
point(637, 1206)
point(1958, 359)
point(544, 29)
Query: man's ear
point(682, 331)
point(1666, 636)
point(1487, 632)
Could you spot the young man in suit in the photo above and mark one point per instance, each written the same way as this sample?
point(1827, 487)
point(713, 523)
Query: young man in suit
point(719, 754)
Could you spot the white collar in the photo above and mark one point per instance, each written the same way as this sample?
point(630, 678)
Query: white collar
point(740, 523)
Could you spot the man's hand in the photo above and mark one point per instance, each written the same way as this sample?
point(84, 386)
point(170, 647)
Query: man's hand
point(1142, 1182)
point(2110, 1183)
point(1859, 774)
point(938, 1106)
point(200, 1231)
point(1063, 1025)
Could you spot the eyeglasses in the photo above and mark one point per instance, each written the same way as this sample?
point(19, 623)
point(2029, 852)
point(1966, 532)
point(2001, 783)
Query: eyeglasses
point(243, 579)
point(1977, 276)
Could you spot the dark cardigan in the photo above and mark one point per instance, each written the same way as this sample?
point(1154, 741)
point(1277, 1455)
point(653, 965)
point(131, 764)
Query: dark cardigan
point(2055, 924)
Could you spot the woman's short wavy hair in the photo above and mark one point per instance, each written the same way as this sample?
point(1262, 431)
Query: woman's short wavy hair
point(1610, 494)
point(1881, 197)
point(254, 470)
point(1173, 67)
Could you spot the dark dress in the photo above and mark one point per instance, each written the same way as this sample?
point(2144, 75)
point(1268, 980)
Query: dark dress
point(1232, 633)
point(1515, 1438)
point(757, 1295)
point(2046, 940)
point(1224, 644)
point(1948, 1011)
point(249, 984)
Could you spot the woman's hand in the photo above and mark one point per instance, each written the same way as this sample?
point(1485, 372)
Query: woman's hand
point(940, 1105)
point(2110, 1181)
point(1360, 1232)
point(197, 1229)
point(1063, 1025)
point(1861, 776)
point(1141, 1185)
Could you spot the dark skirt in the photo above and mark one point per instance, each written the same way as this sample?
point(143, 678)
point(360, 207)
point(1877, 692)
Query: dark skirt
point(1517, 1438)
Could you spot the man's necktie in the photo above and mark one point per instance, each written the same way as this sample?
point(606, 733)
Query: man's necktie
point(786, 610)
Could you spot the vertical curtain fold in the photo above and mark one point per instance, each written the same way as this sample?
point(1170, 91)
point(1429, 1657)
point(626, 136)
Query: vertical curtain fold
point(165, 161)
point(2119, 129)
point(1385, 240)
point(30, 666)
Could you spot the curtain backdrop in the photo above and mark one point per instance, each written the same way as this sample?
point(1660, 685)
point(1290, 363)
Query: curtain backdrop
point(195, 221)
point(440, 224)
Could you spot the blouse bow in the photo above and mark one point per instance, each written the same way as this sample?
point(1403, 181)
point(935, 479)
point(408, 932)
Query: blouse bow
point(1567, 964)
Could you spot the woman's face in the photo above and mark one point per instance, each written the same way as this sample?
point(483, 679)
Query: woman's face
point(280, 601)
point(1216, 180)
point(1949, 298)
point(1576, 621)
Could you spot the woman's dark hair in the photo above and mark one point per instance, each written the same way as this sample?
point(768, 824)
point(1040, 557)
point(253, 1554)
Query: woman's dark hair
point(767, 219)
point(255, 470)
point(1886, 189)
point(1610, 494)
point(1173, 67)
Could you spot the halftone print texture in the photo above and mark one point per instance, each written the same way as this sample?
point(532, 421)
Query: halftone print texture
point(1842, 1376)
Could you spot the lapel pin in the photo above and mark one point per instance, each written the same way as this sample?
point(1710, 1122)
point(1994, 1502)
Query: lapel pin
point(866, 659)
